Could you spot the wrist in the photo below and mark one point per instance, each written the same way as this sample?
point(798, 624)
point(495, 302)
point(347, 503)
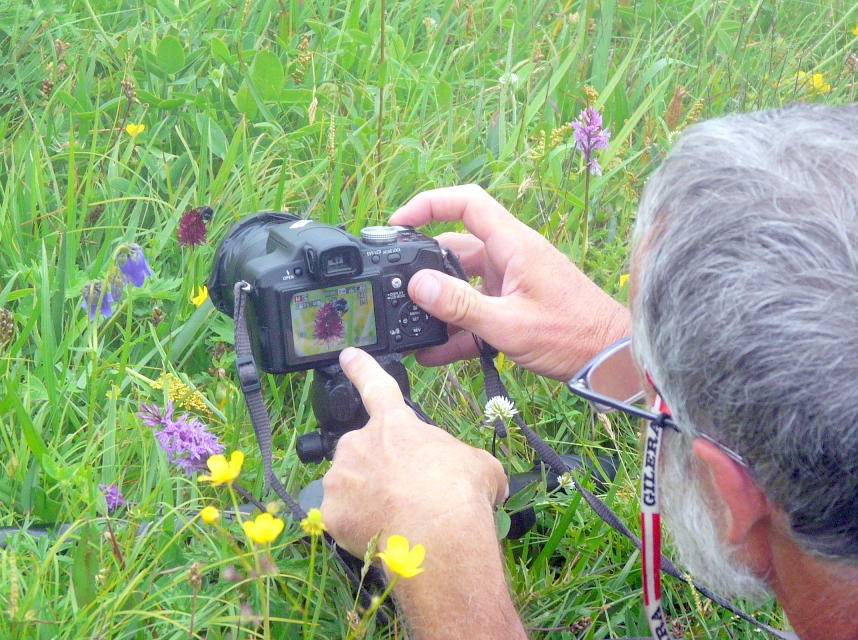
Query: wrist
point(462, 591)
point(437, 524)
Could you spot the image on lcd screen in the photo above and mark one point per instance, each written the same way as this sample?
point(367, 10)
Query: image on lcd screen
point(332, 319)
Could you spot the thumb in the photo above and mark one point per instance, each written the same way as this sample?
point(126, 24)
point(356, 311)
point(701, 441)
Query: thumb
point(452, 300)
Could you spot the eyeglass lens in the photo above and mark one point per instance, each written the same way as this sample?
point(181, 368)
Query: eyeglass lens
point(616, 376)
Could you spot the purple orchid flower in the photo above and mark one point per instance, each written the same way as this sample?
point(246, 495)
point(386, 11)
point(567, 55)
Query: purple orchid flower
point(113, 496)
point(589, 136)
point(185, 440)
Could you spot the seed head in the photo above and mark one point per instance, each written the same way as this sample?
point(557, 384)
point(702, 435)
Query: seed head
point(7, 326)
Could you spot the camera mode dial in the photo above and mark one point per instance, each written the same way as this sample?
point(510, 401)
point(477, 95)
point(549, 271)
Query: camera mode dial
point(379, 235)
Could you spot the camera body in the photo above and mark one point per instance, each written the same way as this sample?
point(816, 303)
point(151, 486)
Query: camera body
point(317, 289)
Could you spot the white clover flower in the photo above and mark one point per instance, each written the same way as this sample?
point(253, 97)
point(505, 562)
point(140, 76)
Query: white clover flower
point(499, 407)
point(509, 78)
point(565, 481)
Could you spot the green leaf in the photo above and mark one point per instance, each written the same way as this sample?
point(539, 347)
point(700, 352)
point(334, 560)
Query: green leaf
point(170, 55)
point(147, 97)
point(213, 134)
point(220, 51)
point(85, 566)
point(245, 102)
point(502, 523)
point(171, 103)
point(192, 331)
point(267, 75)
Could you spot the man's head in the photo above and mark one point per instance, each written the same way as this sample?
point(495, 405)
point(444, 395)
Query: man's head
point(746, 315)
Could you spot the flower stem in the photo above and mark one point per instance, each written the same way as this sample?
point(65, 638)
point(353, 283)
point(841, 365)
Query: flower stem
point(376, 603)
point(586, 214)
point(311, 571)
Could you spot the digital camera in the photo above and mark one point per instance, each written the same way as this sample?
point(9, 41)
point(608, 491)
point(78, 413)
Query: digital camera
point(317, 289)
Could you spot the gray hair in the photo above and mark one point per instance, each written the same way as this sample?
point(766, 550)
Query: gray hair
point(746, 250)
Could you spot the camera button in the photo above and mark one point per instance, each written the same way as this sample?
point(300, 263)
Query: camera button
point(376, 259)
point(298, 271)
point(394, 257)
point(396, 282)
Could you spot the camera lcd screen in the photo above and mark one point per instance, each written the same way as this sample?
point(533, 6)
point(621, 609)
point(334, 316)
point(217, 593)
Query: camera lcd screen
point(333, 318)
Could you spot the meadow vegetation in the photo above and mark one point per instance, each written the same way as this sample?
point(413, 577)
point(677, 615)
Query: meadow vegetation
point(116, 119)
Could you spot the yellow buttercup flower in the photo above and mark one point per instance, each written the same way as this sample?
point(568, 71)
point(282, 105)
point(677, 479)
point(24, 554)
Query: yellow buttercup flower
point(624, 278)
point(223, 472)
point(855, 29)
point(210, 514)
point(264, 529)
point(818, 84)
point(134, 129)
point(199, 295)
point(815, 83)
point(402, 559)
point(313, 524)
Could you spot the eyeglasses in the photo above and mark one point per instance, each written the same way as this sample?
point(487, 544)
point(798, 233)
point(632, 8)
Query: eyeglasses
point(610, 382)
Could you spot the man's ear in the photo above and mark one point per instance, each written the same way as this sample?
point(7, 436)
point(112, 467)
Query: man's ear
point(745, 502)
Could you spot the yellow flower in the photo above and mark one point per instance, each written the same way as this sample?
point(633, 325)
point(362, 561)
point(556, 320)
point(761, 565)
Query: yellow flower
point(624, 278)
point(815, 83)
point(818, 84)
point(313, 524)
point(199, 295)
point(135, 129)
point(223, 471)
point(210, 514)
point(855, 29)
point(181, 394)
point(401, 559)
point(264, 529)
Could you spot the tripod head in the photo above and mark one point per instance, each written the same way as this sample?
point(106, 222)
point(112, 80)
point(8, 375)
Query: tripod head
point(338, 407)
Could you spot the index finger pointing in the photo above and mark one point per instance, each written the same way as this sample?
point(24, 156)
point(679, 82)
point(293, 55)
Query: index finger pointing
point(377, 388)
point(482, 215)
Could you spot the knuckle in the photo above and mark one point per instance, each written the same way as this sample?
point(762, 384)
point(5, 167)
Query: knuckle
point(475, 189)
point(332, 481)
point(490, 463)
point(348, 444)
point(460, 304)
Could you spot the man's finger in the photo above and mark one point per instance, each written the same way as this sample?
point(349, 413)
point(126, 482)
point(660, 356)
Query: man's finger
point(470, 250)
point(482, 215)
point(460, 346)
point(377, 388)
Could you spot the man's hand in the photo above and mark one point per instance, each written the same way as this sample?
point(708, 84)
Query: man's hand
point(400, 475)
point(535, 305)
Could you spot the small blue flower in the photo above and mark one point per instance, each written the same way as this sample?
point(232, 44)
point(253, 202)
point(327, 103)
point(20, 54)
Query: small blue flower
point(94, 301)
point(132, 263)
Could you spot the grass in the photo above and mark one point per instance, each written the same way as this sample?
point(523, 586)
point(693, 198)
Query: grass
point(294, 105)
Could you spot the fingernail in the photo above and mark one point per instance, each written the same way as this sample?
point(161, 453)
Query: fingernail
point(347, 355)
point(427, 288)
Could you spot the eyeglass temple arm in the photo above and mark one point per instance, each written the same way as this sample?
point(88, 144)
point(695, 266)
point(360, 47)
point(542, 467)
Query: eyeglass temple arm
point(576, 386)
